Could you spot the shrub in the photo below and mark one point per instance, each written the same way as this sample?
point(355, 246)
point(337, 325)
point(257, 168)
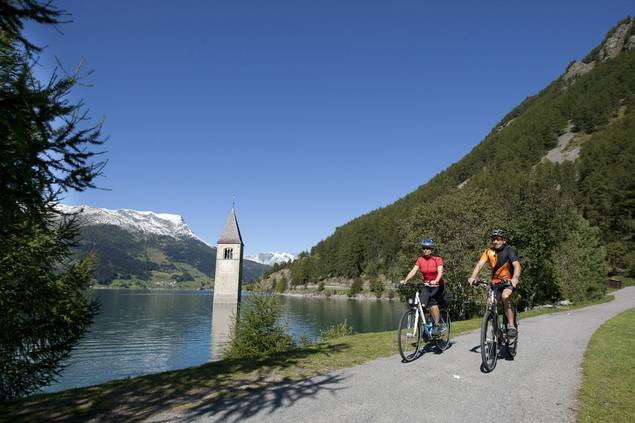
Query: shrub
point(258, 332)
point(306, 342)
point(356, 287)
point(321, 286)
point(336, 331)
point(391, 294)
point(377, 287)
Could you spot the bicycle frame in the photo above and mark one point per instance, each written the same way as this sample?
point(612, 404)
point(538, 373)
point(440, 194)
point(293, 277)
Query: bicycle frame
point(492, 300)
point(415, 319)
point(427, 327)
point(492, 305)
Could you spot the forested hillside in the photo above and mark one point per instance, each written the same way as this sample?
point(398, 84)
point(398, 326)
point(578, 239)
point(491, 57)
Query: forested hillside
point(571, 219)
point(127, 259)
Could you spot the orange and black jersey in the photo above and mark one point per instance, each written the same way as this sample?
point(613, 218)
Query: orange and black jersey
point(501, 262)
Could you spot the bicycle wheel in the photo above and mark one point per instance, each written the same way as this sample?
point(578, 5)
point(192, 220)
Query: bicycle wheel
point(489, 341)
point(409, 335)
point(443, 341)
point(512, 345)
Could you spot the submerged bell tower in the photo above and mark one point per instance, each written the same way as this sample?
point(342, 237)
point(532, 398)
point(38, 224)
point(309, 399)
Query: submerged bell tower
point(229, 262)
point(227, 284)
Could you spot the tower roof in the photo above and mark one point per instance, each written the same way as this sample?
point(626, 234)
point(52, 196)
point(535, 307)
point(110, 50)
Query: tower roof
point(231, 232)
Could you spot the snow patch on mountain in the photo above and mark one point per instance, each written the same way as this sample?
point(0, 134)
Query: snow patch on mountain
point(271, 258)
point(145, 222)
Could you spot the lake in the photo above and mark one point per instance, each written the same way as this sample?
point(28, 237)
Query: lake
point(139, 331)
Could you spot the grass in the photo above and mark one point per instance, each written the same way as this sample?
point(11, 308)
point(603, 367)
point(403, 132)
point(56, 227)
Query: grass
point(224, 386)
point(608, 373)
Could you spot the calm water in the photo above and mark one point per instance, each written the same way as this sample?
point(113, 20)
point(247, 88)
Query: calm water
point(141, 332)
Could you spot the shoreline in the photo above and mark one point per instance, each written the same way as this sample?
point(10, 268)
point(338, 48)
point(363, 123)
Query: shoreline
point(310, 294)
point(358, 297)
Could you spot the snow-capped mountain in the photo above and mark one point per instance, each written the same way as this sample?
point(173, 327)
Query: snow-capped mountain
point(145, 222)
point(147, 249)
point(272, 258)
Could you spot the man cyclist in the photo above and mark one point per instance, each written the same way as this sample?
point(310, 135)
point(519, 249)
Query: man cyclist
point(505, 272)
point(431, 293)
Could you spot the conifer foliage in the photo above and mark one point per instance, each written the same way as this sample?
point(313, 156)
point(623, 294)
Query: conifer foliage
point(258, 330)
point(45, 150)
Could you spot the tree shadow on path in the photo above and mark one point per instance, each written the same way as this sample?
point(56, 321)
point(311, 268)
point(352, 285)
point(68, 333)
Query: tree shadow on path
point(228, 389)
point(251, 401)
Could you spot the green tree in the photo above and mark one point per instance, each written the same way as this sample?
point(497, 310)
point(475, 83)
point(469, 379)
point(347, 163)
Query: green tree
point(579, 264)
point(377, 287)
point(258, 331)
point(282, 284)
point(356, 287)
point(45, 151)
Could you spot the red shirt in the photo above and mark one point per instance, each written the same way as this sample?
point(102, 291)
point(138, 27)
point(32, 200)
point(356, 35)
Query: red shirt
point(429, 268)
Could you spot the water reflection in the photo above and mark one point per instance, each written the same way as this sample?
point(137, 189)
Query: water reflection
point(223, 315)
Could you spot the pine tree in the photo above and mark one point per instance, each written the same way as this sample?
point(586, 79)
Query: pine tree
point(45, 150)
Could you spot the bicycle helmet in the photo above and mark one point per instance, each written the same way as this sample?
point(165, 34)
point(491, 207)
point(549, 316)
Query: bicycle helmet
point(498, 232)
point(428, 243)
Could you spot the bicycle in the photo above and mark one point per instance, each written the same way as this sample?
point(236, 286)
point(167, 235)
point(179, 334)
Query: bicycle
point(492, 334)
point(417, 323)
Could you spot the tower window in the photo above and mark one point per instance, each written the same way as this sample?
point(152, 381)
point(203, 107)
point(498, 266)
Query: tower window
point(228, 254)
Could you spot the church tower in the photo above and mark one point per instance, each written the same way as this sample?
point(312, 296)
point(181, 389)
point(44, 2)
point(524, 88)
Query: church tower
point(229, 262)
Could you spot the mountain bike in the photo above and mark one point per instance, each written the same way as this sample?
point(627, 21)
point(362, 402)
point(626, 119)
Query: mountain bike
point(494, 329)
point(417, 324)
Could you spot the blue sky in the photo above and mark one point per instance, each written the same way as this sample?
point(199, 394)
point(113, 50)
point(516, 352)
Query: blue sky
point(310, 112)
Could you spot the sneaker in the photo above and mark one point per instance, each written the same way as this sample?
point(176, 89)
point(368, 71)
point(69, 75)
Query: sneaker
point(512, 332)
point(436, 331)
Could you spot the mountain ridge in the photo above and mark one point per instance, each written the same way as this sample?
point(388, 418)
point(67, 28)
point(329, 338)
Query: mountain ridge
point(147, 249)
point(270, 257)
point(167, 224)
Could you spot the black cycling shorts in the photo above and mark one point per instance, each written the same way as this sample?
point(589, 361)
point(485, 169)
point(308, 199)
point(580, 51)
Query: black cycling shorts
point(431, 296)
point(506, 284)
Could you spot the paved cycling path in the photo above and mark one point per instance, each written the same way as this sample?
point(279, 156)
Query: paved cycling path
point(544, 379)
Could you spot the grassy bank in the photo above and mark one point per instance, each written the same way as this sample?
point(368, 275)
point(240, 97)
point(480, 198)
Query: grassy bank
point(208, 386)
point(608, 373)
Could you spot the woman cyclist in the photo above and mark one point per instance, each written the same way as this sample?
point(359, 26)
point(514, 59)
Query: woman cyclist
point(431, 267)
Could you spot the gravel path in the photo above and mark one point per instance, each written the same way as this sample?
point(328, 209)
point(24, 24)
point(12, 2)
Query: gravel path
point(539, 385)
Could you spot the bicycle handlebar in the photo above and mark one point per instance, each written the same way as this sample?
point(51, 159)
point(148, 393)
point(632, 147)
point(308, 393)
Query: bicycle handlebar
point(483, 282)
